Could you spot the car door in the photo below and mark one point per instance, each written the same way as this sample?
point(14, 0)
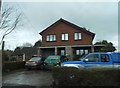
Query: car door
point(92, 61)
point(105, 61)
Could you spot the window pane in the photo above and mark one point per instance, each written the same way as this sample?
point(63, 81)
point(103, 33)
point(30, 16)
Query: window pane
point(54, 37)
point(104, 58)
point(75, 36)
point(66, 36)
point(79, 35)
point(86, 51)
point(47, 38)
point(77, 52)
point(81, 52)
point(63, 37)
point(62, 52)
point(92, 58)
point(50, 37)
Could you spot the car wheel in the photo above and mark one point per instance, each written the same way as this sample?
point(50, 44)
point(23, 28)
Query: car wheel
point(38, 68)
point(42, 67)
point(28, 68)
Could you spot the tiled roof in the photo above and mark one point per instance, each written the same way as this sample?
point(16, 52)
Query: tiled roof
point(69, 23)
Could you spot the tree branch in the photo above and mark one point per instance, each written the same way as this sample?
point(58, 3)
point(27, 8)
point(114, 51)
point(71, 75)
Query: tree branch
point(7, 23)
point(4, 20)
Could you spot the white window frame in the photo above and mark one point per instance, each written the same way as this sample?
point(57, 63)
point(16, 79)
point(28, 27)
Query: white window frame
point(51, 37)
point(62, 52)
point(77, 52)
point(47, 38)
point(77, 36)
point(54, 37)
point(86, 52)
point(65, 36)
point(81, 52)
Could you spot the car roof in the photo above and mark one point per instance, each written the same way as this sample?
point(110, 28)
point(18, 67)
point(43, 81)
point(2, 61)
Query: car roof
point(104, 53)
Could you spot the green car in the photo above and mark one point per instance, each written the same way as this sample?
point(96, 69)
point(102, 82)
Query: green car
point(54, 60)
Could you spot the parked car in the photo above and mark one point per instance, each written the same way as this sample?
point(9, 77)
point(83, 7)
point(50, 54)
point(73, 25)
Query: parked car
point(35, 62)
point(97, 60)
point(54, 60)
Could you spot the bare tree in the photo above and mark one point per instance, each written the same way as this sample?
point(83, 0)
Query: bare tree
point(9, 21)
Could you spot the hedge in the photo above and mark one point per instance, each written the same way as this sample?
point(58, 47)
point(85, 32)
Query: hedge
point(13, 65)
point(68, 76)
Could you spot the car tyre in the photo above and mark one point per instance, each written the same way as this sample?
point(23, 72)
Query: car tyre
point(28, 69)
point(42, 67)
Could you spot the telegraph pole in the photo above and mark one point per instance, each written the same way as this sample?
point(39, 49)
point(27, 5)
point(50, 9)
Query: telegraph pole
point(3, 44)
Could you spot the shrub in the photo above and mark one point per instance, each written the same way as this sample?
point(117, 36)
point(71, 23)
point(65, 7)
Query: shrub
point(13, 65)
point(68, 76)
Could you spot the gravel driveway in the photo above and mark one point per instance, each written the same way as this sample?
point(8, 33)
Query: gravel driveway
point(27, 79)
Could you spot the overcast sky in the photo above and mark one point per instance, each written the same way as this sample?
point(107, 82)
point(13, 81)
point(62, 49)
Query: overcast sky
point(99, 17)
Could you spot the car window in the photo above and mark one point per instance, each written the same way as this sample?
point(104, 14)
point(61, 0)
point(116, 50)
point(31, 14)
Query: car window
point(53, 57)
point(104, 58)
point(35, 59)
point(63, 58)
point(81, 58)
point(92, 58)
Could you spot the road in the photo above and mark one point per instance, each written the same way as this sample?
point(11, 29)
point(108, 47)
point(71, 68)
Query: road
point(27, 79)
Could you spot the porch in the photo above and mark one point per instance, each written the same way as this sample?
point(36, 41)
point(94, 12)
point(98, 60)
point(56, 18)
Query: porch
point(72, 52)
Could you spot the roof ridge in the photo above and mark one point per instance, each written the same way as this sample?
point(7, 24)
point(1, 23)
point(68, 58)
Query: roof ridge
point(69, 23)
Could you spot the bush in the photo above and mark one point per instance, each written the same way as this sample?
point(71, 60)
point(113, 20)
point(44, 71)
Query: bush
point(12, 65)
point(5, 56)
point(68, 76)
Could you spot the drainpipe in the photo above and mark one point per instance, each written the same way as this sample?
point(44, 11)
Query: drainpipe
point(24, 57)
point(92, 48)
point(55, 50)
point(39, 52)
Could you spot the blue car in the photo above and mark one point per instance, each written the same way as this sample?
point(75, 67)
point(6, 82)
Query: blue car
point(96, 60)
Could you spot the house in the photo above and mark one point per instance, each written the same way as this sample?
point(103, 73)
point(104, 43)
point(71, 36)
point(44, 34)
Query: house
point(66, 38)
point(25, 52)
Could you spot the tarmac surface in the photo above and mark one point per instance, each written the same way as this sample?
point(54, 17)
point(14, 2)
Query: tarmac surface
point(27, 79)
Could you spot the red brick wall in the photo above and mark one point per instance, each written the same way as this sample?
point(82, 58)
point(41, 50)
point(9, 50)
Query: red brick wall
point(65, 28)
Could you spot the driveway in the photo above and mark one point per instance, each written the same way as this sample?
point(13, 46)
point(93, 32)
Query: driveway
point(27, 79)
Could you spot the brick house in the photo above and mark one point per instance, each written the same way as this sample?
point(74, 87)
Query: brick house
point(66, 38)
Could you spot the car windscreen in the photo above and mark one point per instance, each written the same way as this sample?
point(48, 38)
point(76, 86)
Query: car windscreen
point(53, 58)
point(35, 59)
point(81, 58)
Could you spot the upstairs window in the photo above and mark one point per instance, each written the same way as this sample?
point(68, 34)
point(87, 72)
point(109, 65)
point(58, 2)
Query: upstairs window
point(51, 38)
point(77, 36)
point(65, 36)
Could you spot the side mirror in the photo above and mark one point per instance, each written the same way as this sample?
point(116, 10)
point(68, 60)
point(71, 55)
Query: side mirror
point(85, 60)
